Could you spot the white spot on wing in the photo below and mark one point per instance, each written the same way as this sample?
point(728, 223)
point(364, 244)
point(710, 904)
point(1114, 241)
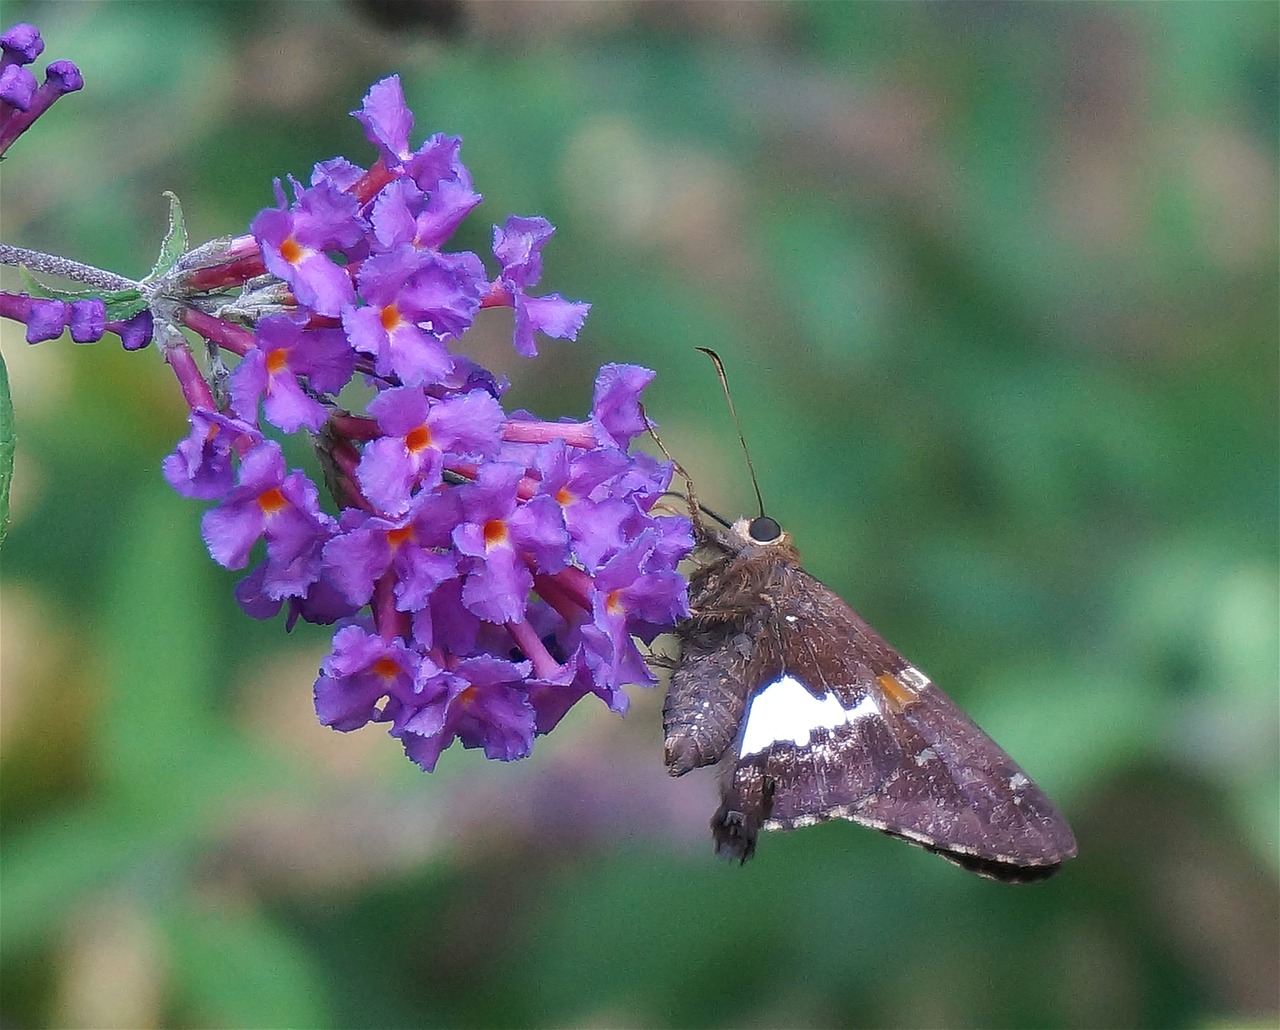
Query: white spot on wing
point(914, 678)
point(785, 711)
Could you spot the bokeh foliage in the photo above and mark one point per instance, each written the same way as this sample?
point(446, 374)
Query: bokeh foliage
point(997, 289)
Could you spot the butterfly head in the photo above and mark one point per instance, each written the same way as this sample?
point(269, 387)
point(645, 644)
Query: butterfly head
point(759, 537)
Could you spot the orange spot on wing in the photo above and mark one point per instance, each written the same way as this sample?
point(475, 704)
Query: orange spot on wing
point(897, 693)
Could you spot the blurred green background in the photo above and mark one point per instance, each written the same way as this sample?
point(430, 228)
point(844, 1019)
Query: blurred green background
point(996, 285)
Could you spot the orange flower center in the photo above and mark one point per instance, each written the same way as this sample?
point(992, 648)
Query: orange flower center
point(276, 360)
point(396, 537)
point(495, 533)
point(291, 250)
point(418, 439)
point(272, 501)
point(563, 497)
point(613, 603)
point(385, 668)
point(390, 317)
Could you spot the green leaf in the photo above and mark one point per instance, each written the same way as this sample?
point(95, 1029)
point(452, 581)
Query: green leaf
point(123, 304)
point(175, 240)
point(7, 444)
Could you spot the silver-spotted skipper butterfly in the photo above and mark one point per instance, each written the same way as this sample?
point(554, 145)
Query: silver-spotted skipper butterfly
point(811, 716)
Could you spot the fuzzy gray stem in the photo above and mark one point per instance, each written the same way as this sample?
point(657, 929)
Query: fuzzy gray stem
point(51, 264)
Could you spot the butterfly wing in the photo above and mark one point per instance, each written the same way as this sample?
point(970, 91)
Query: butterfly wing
point(840, 725)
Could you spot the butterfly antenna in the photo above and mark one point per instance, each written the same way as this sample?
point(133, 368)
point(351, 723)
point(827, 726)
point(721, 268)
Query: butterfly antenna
point(714, 516)
point(694, 507)
point(724, 383)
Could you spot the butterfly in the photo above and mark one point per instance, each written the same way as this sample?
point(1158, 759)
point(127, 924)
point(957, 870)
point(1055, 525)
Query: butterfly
point(811, 716)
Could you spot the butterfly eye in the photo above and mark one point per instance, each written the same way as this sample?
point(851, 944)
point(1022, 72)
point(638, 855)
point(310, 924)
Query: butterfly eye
point(764, 530)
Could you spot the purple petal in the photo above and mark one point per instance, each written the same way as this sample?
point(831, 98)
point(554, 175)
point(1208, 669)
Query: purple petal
point(517, 244)
point(386, 118)
point(537, 529)
point(388, 472)
point(230, 531)
point(469, 425)
point(616, 406)
point(249, 382)
point(421, 572)
point(289, 407)
point(551, 315)
point(498, 590)
point(355, 559)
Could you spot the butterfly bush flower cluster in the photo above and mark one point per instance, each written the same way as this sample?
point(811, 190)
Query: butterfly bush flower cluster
point(485, 569)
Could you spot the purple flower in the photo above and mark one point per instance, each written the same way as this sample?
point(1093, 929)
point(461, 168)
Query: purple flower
point(280, 508)
point(506, 541)
point(47, 319)
point(481, 702)
point(404, 214)
point(518, 246)
point(360, 672)
point(412, 547)
point(135, 332)
point(487, 571)
point(17, 87)
point(270, 372)
point(387, 120)
point(322, 603)
point(88, 320)
point(387, 123)
point(418, 433)
point(337, 172)
point(21, 44)
point(60, 78)
point(629, 600)
point(413, 300)
point(201, 465)
point(580, 482)
point(444, 625)
point(438, 163)
point(294, 240)
point(633, 599)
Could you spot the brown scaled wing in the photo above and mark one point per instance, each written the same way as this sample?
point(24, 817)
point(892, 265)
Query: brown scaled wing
point(917, 768)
